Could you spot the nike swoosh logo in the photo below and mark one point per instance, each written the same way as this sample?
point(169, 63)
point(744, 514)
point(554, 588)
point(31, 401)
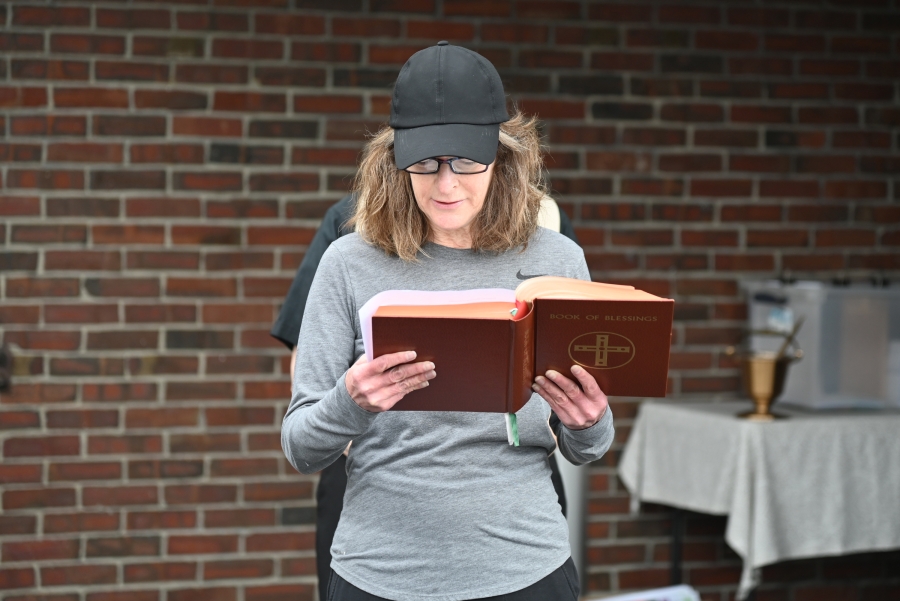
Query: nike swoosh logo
point(522, 276)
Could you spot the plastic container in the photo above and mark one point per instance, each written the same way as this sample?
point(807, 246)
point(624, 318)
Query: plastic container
point(850, 338)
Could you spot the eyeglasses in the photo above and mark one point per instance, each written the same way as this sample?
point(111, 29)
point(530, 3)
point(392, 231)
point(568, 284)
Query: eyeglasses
point(458, 165)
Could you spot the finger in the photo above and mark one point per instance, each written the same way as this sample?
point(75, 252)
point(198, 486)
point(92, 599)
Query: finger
point(569, 388)
point(409, 370)
point(588, 383)
point(386, 362)
point(550, 391)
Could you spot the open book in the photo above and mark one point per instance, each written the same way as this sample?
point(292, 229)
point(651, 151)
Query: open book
point(488, 344)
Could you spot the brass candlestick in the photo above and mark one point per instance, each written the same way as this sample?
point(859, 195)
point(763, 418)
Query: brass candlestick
point(764, 373)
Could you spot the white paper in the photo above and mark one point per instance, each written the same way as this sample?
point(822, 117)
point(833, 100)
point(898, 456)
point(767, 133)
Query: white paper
point(421, 297)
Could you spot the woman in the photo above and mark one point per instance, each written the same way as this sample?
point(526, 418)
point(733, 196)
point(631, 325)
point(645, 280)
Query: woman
point(438, 505)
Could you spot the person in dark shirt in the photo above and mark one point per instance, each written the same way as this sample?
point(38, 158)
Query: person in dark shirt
point(333, 479)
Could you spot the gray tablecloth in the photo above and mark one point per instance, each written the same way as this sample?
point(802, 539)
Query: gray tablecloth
point(811, 485)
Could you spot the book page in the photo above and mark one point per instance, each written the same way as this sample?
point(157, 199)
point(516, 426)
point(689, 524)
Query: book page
point(421, 297)
point(466, 311)
point(570, 288)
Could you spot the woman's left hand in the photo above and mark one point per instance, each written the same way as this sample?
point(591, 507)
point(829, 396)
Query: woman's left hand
point(578, 407)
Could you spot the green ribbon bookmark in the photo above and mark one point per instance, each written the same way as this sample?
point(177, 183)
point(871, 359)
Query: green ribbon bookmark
point(512, 429)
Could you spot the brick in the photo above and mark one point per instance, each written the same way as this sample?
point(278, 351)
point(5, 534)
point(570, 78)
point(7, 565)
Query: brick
point(622, 61)
point(391, 55)
point(51, 70)
point(197, 391)
point(621, 110)
point(212, 21)
point(156, 520)
point(661, 38)
point(167, 46)
point(10, 420)
point(220, 181)
point(165, 261)
point(242, 313)
point(754, 212)
point(795, 139)
point(26, 42)
point(56, 179)
point(166, 153)
point(324, 156)
point(16, 97)
point(779, 238)
point(84, 574)
point(206, 126)
point(681, 212)
point(86, 207)
point(517, 33)
point(726, 40)
point(558, 59)
point(760, 114)
point(826, 164)
point(290, 541)
point(824, 115)
point(695, 113)
point(84, 152)
point(825, 19)
point(731, 89)
point(859, 45)
point(127, 546)
point(243, 209)
point(249, 102)
point(19, 205)
point(45, 340)
point(13, 578)
point(246, 568)
point(130, 71)
point(122, 339)
point(855, 189)
point(78, 471)
point(13, 261)
point(161, 571)
point(158, 469)
point(40, 550)
point(37, 287)
point(798, 90)
point(167, 364)
point(133, 18)
point(43, 446)
point(38, 498)
point(113, 496)
point(201, 288)
point(247, 49)
point(284, 129)
point(200, 494)
point(119, 392)
point(829, 67)
point(704, 238)
point(85, 418)
point(364, 78)
point(652, 187)
point(112, 445)
point(115, 125)
point(45, 16)
point(81, 313)
point(760, 66)
point(87, 44)
point(290, 591)
point(289, 76)
point(241, 363)
point(652, 136)
point(211, 74)
point(169, 99)
point(201, 544)
point(331, 52)
point(862, 91)
point(246, 467)
point(759, 163)
point(18, 524)
point(691, 63)
point(159, 418)
point(41, 393)
point(128, 180)
point(861, 139)
point(162, 207)
point(86, 366)
point(282, 24)
point(11, 474)
point(690, 162)
point(449, 30)
point(205, 594)
point(204, 443)
point(126, 287)
point(794, 43)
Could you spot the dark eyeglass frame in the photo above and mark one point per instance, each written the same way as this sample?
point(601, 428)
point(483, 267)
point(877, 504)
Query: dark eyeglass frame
point(450, 162)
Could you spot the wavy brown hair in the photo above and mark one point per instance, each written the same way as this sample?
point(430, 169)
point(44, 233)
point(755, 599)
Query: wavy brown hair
point(388, 217)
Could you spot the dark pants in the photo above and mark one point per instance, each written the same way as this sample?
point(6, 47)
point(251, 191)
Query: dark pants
point(330, 502)
point(560, 585)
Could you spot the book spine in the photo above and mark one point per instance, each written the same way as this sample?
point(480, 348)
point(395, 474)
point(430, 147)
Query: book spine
point(521, 362)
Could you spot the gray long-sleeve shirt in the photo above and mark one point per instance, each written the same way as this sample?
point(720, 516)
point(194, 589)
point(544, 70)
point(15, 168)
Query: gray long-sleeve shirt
point(438, 505)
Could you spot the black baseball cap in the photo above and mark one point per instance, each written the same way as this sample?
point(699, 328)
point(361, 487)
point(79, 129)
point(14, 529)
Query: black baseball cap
point(448, 101)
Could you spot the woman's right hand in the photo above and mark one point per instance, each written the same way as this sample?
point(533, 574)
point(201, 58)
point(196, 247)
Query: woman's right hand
point(377, 386)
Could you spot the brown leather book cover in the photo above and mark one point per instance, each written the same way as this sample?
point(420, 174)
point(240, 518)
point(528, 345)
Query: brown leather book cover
point(482, 365)
point(489, 364)
point(623, 344)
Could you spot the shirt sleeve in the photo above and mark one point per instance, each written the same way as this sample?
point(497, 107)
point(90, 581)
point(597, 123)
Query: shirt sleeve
point(322, 418)
point(287, 327)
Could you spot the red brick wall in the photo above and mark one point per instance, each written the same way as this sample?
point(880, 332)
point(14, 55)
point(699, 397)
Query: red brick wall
point(164, 164)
